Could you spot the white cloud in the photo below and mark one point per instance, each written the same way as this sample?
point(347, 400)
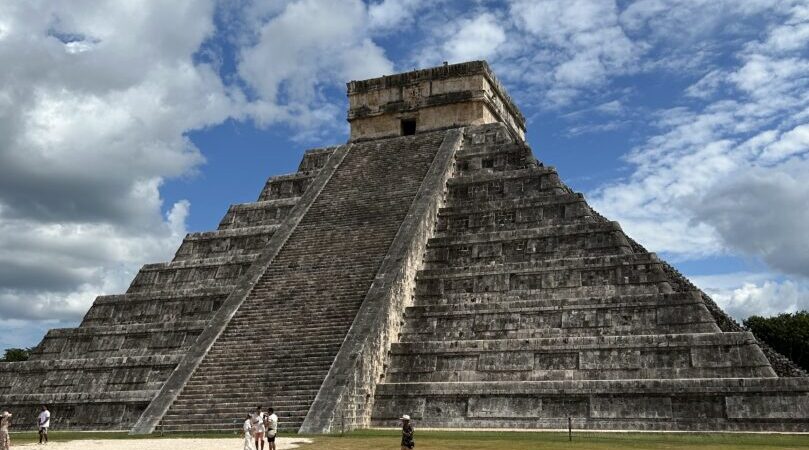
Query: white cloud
point(387, 15)
point(791, 143)
point(579, 43)
point(726, 174)
point(476, 38)
point(93, 115)
point(309, 46)
point(745, 294)
point(473, 36)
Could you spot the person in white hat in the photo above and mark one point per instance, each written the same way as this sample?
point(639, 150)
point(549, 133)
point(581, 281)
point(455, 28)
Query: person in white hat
point(407, 433)
point(5, 420)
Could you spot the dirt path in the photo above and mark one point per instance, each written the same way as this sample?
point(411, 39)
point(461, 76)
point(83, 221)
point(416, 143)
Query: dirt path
point(161, 444)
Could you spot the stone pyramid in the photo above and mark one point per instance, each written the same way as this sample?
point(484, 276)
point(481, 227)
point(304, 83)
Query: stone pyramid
point(430, 266)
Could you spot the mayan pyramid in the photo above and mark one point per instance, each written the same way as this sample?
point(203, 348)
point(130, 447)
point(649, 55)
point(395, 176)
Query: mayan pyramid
point(430, 266)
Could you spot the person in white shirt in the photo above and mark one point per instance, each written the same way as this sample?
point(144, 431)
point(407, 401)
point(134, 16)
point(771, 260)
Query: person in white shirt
point(5, 421)
point(44, 422)
point(271, 424)
point(257, 419)
point(248, 433)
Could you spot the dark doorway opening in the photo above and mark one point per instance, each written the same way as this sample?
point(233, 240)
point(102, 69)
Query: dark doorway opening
point(408, 127)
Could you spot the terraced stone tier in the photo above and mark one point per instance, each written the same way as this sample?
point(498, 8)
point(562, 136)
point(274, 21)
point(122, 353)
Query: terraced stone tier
point(695, 355)
point(191, 274)
point(748, 404)
point(494, 157)
point(279, 345)
point(286, 186)
point(87, 393)
point(315, 159)
point(155, 307)
point(229, 242)
point(477, 217)
point(269, 212)
point(527, 317)
point(526, 183)
point(108, 411)
point(563, 273)
point(85, 375)
point(561, 241)
point(112, 340)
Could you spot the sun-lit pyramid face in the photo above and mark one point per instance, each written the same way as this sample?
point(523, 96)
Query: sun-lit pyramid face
point(430, 99)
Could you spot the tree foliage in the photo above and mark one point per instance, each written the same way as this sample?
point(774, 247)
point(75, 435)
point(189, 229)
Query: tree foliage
point(788, 334)
point(17, 354)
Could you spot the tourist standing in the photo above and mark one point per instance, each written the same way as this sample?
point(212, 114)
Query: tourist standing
point(407, 433)
point(272, 428)
point(258, 428)
point(44, 422)
point(248, 433)
point(5, 420)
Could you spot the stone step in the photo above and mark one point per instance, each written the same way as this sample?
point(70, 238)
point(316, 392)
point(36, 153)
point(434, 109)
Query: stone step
point(194, 392)
point(286, 186)
point(223, 243)
point(268, 212)
point(276, 365)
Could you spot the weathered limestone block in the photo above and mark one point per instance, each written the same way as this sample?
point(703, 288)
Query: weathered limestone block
point(630, 407)
point(505, 362)
point(767, 406)
point(491, 406)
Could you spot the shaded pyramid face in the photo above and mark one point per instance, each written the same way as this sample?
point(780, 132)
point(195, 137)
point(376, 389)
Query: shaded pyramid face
point(431, 267)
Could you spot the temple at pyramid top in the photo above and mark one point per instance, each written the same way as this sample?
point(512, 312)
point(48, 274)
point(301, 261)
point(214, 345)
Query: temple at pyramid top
point(441, 97)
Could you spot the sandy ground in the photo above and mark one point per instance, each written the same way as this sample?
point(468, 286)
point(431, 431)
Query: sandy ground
point(162, 444)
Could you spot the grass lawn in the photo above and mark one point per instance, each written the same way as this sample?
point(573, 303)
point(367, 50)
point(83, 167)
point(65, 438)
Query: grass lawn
point(471, 440)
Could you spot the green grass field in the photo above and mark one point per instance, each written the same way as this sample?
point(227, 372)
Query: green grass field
point(470, 440)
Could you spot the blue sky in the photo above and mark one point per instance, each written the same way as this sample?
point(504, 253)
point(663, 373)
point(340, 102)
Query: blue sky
point(125, 125)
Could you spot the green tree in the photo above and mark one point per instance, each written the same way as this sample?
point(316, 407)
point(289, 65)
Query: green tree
point(788, 334)
point(17, 354)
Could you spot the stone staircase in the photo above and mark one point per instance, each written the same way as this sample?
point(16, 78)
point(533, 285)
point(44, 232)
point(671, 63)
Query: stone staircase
point(104, 373)
point(279, 345)
point(531, 308)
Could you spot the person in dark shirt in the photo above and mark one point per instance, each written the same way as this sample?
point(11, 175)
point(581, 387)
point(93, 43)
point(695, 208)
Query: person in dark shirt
point(407, 433)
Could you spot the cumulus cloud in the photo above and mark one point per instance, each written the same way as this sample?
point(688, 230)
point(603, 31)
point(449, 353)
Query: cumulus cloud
point(470, 37)
point(93, 115)
point(725, 174)
point(387, 15)
point(745, 294)
point(309, 46)
point(578, 43)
